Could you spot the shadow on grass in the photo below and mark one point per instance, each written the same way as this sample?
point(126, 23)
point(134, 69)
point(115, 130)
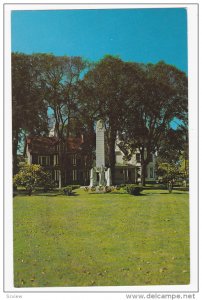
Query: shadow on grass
point(41, 194)
point(166, 193)
point(104, 193)
point(47, 195)
point(153, 194)
point(55, 195)
point(74, 194)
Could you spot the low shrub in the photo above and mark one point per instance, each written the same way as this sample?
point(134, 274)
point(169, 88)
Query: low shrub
point(123, 185)
point(108, 189)
point(74, 186)
point(133, 189)
point(32, 177)
point(67, 190)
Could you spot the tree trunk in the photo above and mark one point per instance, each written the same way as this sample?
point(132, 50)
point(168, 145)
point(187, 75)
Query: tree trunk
point(30, 192)
point(15, 149)
point(143, 173)
point(62, 162)
point(60, 181)
point(144, 163)
point(112, 156)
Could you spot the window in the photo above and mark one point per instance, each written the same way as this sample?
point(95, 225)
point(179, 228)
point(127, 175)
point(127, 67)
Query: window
point(151, 173)
point(56, 160)
point(74, 175)
point(44, 160)
point(74, 159)
point(138, 157)
point(56, 175)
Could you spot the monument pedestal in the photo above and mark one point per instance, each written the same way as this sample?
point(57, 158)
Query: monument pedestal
point(100, 177)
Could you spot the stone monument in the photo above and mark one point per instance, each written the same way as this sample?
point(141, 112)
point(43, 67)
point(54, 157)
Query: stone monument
point(100, 147)
point(100, 175)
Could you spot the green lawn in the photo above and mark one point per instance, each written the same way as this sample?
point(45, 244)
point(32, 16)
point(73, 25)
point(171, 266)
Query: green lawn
point(101, 239)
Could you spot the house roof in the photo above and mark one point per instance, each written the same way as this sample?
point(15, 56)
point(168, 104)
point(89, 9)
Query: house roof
point(47, 145)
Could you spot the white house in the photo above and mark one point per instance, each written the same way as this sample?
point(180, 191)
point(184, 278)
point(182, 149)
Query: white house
point(130, 171)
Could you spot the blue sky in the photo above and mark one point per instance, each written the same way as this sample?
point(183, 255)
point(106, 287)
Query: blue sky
point(140, 35)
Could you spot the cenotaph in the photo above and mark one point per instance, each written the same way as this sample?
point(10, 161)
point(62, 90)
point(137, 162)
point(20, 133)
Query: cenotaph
point(100, 175)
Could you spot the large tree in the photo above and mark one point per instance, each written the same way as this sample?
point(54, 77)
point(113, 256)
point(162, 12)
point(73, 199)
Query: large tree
point(162, 100)
point(105, 90)
point(172, 161)
point(59, 81)
point(29, 111)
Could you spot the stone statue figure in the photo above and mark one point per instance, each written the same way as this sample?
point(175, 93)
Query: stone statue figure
point(93, 179)
point(100, 125)
point(108, 177)
point(102, 176)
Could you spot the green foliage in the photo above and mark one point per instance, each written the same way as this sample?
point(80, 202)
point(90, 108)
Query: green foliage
point(29, 111)
point(32, 176)
point(46, 181)
point(170, 186)
point(155, 93)
point(172, 162)
point(173, 146)
point(108, 189)
point(122, 185)
point(161, 100)
point(133, 189)
point(67, 190)
point(167, 171)
point(105, 92)
point(59, 78)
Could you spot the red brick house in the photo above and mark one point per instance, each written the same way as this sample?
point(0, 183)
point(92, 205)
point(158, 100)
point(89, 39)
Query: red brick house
point(45, 151)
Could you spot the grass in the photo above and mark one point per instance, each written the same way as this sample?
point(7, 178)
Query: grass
point(110, 239)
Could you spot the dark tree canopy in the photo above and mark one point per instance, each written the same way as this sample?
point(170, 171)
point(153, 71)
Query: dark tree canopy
point(163, 99)
point(138, 103)
point(59, 83)
point(28, 108)
point(106, 92)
